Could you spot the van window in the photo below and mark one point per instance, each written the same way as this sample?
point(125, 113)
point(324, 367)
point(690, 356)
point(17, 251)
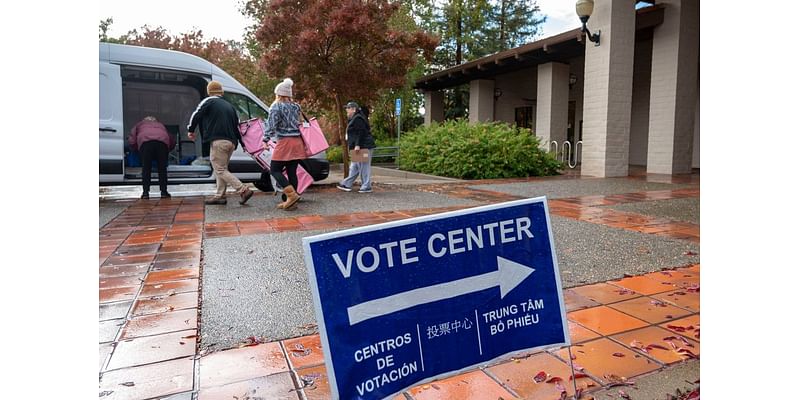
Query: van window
point(245, 107)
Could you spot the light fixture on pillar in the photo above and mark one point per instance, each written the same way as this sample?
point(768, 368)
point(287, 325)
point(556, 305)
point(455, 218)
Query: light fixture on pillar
point(584, 9)
point(497, 93)
point(572, 80)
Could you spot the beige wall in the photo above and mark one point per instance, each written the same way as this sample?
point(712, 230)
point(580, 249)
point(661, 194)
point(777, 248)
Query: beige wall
point(516, 86)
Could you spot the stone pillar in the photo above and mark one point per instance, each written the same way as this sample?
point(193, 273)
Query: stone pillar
point(481, 100)
point(434, 107)
point(607, 89)
point(552, 103)
point(673, 88)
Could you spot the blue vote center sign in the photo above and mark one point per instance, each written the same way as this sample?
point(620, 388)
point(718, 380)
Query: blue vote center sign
point(407, 302)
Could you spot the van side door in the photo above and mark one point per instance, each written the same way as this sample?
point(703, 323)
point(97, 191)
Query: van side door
point(112, 146)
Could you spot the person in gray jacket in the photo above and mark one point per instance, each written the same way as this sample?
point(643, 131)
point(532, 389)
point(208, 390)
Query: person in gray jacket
point(219, 123)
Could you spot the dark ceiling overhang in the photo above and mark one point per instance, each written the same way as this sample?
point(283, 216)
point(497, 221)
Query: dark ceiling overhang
point(559, 48)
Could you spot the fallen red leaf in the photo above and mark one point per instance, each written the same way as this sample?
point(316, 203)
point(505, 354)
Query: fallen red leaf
point(676, 328)
point(687, 353)
point(554, 379)
point(540, 377)
point(578, 376)
point(618, 355)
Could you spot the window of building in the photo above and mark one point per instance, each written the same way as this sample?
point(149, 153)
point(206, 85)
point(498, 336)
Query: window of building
point(523, 116)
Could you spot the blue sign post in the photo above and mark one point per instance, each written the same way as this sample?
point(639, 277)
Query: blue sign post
point(397, 106)
point(407, 302)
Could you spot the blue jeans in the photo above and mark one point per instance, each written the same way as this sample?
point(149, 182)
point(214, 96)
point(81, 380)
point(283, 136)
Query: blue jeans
point(360, 168)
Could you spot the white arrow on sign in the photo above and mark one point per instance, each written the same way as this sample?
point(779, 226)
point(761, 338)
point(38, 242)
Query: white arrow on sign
point(509, 274)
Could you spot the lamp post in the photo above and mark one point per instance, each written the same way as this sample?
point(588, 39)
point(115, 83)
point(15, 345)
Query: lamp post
point(584, 10)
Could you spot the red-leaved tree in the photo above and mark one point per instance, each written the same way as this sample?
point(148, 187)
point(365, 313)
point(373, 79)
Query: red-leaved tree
point(338, 50)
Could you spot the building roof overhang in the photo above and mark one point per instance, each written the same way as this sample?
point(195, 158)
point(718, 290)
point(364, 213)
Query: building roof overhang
point(559, 48)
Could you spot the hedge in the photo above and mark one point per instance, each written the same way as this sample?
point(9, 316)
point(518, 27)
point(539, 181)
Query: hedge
point(459, 149)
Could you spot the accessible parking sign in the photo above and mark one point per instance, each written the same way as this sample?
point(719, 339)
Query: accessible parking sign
point(407, 302)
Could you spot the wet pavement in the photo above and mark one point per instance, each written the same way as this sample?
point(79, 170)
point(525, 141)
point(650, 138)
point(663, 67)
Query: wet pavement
point(202, 302)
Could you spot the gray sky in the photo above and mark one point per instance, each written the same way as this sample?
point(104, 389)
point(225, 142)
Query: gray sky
point(222, 19)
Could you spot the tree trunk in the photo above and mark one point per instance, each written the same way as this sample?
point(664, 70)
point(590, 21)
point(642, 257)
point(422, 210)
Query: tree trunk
point(503, 25)
point(342, 129)
point(458, 35)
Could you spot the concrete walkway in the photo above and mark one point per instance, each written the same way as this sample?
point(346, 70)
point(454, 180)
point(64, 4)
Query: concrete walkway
point(212, 302)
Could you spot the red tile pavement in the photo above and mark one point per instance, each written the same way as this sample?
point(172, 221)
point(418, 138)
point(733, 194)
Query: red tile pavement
point(314, 381)
point(603, 357)
point(304, 351)
point(150, 349)
point(469, 385)
point(273, 387)
point(148, 381)
point(605, 320)
point(150, 254)
point(155, 324)
point(224, 367)
point(518, 376)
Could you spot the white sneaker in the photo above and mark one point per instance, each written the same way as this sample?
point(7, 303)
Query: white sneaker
point(346, 189)
point(365, 190)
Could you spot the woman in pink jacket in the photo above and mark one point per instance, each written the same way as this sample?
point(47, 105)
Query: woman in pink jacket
point(153, 141)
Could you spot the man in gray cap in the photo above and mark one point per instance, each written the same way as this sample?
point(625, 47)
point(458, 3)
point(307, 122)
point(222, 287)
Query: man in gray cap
point(359, 137)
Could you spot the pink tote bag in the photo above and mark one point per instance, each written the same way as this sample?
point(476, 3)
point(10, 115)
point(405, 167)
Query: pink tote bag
point(313, 136)
point(252, 132)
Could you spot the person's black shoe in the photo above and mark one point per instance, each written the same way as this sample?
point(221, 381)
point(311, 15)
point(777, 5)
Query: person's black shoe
point(217, 200)
point(165, 195)
point(145, 196)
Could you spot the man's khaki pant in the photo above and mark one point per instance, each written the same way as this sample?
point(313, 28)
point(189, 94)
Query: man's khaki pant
point(221, 151)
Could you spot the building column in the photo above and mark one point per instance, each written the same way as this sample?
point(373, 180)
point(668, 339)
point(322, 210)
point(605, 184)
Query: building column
point(552, 103)
point(481, 100)
point(608, 81)
point(434, 107)
point(673, 88)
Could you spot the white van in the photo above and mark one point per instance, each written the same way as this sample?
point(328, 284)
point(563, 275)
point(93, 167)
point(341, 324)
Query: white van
point(139, 81)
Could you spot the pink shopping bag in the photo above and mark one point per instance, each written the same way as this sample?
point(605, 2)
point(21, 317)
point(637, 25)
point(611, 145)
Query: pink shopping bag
point(252, 133)
point(313, 136)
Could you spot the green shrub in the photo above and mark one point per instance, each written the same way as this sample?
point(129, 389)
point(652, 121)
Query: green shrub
point(334, 154)
point(464, 150)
